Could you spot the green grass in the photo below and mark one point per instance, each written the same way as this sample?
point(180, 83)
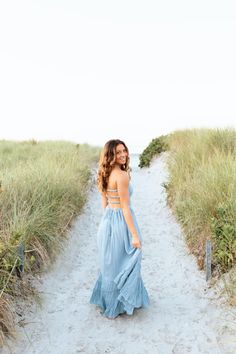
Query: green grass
point(155, 147)
point(202, 191)
point(43, 186)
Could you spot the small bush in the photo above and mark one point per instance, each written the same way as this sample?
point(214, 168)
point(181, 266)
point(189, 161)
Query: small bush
point(155, 147)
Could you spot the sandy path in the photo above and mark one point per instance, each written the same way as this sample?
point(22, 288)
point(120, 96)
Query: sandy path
point(184, 315)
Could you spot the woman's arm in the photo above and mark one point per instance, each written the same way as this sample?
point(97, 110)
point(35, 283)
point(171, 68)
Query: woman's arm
point(123, 191)
point(104, 200)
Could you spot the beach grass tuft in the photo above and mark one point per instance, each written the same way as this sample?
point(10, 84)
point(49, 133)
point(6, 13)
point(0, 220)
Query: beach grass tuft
point(43, 186)
point(201, 191)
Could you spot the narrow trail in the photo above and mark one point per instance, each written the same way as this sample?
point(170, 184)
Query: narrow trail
point(184, 316)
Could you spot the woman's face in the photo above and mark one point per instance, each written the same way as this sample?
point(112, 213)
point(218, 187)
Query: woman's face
point(121, 154)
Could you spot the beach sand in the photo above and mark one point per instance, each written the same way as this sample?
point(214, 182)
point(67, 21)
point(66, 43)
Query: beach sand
point(185, 314)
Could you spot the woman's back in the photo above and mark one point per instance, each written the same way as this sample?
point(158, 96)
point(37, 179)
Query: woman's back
point(112, 194)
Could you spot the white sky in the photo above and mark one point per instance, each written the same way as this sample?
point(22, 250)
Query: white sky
point(89, 71)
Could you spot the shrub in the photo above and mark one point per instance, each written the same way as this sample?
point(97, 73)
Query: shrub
point(155, 147)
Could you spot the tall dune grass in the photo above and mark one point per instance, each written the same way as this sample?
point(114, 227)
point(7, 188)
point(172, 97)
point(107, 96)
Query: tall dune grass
point(43, 186)
point(202, 193)
point(202, 190)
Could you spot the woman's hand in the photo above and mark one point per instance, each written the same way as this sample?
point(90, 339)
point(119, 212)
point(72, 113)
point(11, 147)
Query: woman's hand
point(136, 243)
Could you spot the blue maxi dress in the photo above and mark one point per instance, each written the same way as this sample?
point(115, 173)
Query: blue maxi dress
point(119, 287)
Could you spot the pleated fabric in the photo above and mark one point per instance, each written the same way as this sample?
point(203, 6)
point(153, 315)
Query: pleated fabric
point(119, 287)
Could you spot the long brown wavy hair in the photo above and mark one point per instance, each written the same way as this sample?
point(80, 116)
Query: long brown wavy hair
point(107, 162)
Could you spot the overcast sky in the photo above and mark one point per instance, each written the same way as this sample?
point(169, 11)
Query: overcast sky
point(89, 71)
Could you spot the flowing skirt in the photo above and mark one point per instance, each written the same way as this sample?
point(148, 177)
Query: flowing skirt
point(119, 287)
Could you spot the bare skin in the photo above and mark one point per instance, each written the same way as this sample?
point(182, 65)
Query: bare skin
point(119, 180)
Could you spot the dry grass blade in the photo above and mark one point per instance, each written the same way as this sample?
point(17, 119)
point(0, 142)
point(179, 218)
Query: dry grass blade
point(7, 325)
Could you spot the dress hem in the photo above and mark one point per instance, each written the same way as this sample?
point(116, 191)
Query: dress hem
point(122, 304)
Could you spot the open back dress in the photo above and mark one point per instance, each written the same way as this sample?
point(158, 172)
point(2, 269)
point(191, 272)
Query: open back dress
point(119, 287)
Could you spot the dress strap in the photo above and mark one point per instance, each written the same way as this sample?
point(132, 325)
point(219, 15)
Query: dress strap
point(110, 197)
point(112, 190)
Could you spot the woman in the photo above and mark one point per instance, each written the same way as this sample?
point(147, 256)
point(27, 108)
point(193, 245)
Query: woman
point(119, 287)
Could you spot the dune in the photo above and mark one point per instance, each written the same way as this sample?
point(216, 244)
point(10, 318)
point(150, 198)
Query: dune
point(185, 313)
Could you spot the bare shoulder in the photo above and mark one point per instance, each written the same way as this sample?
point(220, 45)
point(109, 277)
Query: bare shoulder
point(122, 177)
point(118, 178)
